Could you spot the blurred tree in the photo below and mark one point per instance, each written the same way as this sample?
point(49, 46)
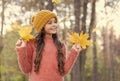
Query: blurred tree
point(112, 53)
point(2, 16)
point(1, 44)
point(1, 32)
point(92, 26)
point(83, 28)
point(75, 74)
point(50, 5)
point(85, 2)
point(106, 53)
point(1, 47)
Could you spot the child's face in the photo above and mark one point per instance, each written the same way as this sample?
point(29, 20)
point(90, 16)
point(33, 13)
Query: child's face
point(51, 27)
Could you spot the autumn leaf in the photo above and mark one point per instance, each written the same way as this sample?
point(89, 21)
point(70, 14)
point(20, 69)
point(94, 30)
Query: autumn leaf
point(24, 33)
point(81, 39)
point(56, 1)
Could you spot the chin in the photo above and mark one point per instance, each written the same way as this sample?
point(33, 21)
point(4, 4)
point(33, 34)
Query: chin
point(54, 32)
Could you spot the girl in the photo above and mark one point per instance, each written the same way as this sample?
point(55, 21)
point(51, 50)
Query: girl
point(44, 58)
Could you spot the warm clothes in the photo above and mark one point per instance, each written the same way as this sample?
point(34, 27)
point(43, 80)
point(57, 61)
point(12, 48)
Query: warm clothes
point(49, 64)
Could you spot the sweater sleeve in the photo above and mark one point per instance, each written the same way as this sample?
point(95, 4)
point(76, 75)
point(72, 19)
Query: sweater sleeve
point(69, 62)
point(25, 58)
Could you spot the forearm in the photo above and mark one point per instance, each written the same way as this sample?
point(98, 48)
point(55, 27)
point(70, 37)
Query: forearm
point(23, 61)
point(70, 61)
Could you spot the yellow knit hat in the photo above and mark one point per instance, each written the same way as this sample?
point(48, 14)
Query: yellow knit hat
point(41, 18)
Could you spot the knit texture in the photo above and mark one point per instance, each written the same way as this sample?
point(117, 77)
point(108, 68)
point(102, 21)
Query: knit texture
point(48, 70)
point(41, 18)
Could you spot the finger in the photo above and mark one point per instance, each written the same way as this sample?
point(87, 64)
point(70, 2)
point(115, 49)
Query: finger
point(20, 38)
point(77, 46)
point(19, 44)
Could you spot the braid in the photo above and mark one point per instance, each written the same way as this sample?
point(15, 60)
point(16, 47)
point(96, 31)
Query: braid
point(60, 56)
point(39, 47)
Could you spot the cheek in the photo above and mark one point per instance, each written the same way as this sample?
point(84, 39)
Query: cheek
point(47, 29)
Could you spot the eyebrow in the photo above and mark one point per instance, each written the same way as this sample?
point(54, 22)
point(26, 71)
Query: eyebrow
point(53, 20)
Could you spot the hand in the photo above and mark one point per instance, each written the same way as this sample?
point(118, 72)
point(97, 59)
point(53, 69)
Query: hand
point(77, 47)
point(20, 43)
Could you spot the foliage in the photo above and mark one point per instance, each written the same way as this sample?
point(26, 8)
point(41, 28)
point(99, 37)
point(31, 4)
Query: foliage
point(24, 33)
point(81, 39)
point(56, 1)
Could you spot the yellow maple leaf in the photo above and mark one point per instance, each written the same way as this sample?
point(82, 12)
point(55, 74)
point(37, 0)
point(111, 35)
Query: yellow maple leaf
point(81, 39)
point(24, 33)
point(56, 1)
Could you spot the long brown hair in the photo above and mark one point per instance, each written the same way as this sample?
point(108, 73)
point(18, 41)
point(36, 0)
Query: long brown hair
point(39, 41)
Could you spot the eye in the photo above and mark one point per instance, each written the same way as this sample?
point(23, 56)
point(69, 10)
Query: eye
point(49, 22)
point(52, 21)
point(55, 21)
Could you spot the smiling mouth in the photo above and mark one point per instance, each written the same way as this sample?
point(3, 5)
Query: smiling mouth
point(54, 29)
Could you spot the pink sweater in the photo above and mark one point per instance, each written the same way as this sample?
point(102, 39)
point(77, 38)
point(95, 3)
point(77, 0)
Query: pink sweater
point(48, 68)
